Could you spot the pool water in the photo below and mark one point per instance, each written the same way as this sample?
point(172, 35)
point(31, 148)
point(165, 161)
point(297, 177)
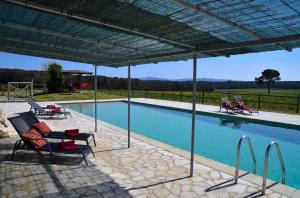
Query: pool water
point(216, 137)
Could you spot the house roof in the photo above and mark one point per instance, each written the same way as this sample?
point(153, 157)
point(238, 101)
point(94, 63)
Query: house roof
point(76, 72)
point(118, 32)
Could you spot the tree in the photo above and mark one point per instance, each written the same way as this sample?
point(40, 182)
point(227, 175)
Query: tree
point(268, 76)
point(45, 65)
point(56, 78)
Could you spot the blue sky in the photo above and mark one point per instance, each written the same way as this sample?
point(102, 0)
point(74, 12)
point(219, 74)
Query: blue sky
point(238, 67)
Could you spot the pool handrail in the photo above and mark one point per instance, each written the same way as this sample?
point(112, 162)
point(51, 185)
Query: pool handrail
point(266, 165)
point(244, 137)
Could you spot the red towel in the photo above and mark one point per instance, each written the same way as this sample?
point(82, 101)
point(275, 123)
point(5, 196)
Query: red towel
point(247, 108)
point(72, 131)
point(56, 110)
point(69, 145)
point(73, 134)
point(51, 107)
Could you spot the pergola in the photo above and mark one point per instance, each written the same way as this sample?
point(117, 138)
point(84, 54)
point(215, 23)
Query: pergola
point(131, 32)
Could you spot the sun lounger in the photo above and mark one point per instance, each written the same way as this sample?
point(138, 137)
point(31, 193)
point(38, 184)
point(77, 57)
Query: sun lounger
point(30, 143)
point(225, 104)
point(31, 119)
point(46, 111)
point(239, 103)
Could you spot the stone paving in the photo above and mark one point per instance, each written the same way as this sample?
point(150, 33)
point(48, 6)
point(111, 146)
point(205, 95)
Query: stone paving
point(263, 115)
point(144, 170)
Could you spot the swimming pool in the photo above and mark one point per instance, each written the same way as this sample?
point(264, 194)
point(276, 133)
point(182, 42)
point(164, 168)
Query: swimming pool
point(216, 136)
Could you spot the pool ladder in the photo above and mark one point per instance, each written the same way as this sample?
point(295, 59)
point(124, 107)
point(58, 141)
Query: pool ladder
point(238, 154)
point(247, 139)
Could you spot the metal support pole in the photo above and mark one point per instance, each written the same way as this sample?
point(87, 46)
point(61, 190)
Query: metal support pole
point(2, 88)
point(298, 103)
point(129, 96)
point(95, 96)
point(193, 114)
point(8, 89)
point(31, 90)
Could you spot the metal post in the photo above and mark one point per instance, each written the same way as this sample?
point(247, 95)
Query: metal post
point(95, 96)
point(181, 98)
point(2, 88)
point(203, 92)
point(259, 101)
point(8, 89)
point(31, 90)
point(298, 103)
point(193, 114)
point(129, 96)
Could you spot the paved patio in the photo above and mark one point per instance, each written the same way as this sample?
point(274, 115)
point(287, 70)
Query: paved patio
point(144, 170)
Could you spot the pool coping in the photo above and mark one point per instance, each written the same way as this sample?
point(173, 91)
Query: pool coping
point(255, 179)
point(258, 120)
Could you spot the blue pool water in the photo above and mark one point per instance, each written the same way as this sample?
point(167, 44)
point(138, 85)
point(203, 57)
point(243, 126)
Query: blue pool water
point(216, 137)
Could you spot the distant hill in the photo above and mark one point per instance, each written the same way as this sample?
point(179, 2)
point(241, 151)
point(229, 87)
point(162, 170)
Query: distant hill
point(184, 79)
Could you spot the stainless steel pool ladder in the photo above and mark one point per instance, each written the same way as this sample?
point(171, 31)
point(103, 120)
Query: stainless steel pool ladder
point(266, 165)
point(244, 137)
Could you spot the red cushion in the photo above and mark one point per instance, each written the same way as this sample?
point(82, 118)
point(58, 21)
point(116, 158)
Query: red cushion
point(56, 110)
point(34, 138)
point(51, 106)
point(42, 128)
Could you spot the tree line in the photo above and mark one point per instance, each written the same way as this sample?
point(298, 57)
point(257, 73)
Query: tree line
point(103, 82)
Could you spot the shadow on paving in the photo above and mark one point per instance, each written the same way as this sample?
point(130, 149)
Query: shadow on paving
point(64, 178)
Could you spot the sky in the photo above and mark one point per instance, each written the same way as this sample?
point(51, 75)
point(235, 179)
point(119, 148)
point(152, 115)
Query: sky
point(238, 67)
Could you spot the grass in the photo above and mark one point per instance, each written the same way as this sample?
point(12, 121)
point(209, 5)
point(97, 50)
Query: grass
point(284, 101)
point(72, 96)
point(290, 92)
point(279, 100)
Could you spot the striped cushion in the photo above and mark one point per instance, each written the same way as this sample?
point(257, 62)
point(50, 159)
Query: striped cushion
point(42, 128)
point(34, 138)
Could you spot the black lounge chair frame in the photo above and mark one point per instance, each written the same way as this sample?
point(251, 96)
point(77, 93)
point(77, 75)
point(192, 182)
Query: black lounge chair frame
point(226, 101)
point(238, 100)
point(21, 126)
point(45, 111)
point(30, 118)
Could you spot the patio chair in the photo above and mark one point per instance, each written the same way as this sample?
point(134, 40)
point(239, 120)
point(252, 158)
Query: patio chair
point(52, 147)
point(239, 103)
point(225, 104)
point(46, 111)
point(30, 119)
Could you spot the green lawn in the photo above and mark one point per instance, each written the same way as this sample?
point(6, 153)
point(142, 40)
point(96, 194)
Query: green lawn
point(72, 96)
point(279, 100)
point(291, 92)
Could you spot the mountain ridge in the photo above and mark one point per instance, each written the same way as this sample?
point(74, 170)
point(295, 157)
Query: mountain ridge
point(183, 79)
